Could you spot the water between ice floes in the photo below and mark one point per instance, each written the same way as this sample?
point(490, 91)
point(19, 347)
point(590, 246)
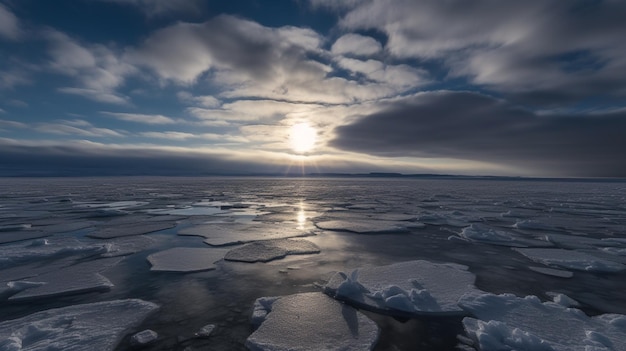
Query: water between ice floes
point(419, 219)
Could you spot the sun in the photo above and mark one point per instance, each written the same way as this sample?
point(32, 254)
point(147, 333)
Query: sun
point(302, 137)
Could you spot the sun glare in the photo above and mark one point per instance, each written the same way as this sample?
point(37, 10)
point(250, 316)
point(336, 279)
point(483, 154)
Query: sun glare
point(302, 137)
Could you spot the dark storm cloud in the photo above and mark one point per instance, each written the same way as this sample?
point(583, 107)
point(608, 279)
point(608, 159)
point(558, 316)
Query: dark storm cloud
point(471, 126)
point(543, 51)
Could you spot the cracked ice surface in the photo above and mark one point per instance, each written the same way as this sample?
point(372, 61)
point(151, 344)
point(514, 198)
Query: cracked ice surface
point(571, 259)
point(406, 288)
point(508, 322)
point(185, 259)
point(268, 250)
point(93, 326)
point(310, 321)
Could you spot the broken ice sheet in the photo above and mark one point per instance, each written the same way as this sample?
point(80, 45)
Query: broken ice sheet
point(571, 259)
point(508, 322)
point(405, 289)
point(268, 250)
point(311, 321)
point(219, 234)
point(185, 259)
point(368, 226)
point(43, 249)
point(95, 326)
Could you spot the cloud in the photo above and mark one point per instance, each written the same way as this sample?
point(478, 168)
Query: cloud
point(141, 118)
point(205, 101)
point(97, 70)
point(84, 158)
point(11, 124)
point(9, 24)
point(472, 126)
point(538, 50)
point(355, 44)
point(78, 128)
point(243, 59)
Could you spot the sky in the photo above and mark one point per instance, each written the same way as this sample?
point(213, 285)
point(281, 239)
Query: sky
point(157, 87)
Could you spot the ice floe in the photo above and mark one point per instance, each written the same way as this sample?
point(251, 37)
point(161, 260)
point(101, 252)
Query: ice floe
point(571, 259)
point(311, 321)
point(76, 279)
point(144, 337)
point(267, 250)
point(220, 234)
point(185, 259)
point(551, 271)
point(94, 326)
point(368, 226)
point(405, 289)
point(508, 322)
point(497, 236)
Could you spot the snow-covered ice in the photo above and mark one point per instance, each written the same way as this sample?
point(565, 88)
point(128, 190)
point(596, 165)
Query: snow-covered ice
point(221, 234)
point(571, 259)
point(405, 289)
point(368, 226)
point(508, 322)
point(185, 259)
point(94, 326)
point(267, 250)
point(311, 322)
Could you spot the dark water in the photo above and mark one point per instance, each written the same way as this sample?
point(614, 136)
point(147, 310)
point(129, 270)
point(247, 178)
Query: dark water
point(225, 296)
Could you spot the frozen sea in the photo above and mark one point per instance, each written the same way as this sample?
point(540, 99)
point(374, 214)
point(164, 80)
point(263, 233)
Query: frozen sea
point(385, 264)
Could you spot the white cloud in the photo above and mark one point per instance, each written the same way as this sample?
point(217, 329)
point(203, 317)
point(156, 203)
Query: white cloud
point(205, 100)
point(9, 24)
point(97, 69)
point(141, 118)
point(393, 75)
point(76, 128)
point(97, 95)
point(11, 124)
point(355, 44)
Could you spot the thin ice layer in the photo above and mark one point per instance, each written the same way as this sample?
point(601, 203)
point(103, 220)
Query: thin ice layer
point(508, 322)
point(94, 326)
point(185, 259)
point(312, 321)
point(405, 289)
point(130, 229)
point(571, 259)
point(497, 236)
point(267, 250)
point(368, 226)
point(220, 234)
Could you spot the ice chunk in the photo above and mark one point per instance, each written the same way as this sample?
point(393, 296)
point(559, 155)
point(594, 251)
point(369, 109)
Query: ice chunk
point(95, 326)
point(571, 259)
point(262, 306)
point(185, 259)
point(144, 337)
point(76, 279)
point(205, 331)
point(127, 246)
point(531, 225)
point(313, 321)
point(130, 229)
point(220, 234)
point(268, 250)
point(405, 289)
point(16, 254)
point(551, 271)
point(508, 322)
point(368, 226)
point(496, 236)
point(577, 241)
